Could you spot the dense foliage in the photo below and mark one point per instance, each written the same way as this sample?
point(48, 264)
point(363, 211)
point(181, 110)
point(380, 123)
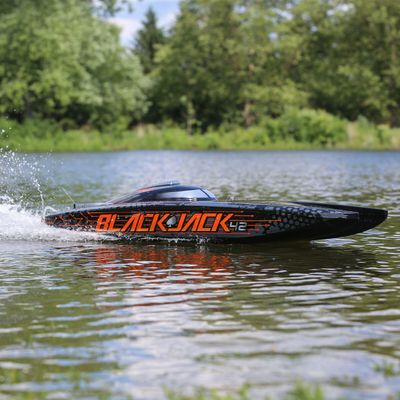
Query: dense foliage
point(285, 65)
point(60, 62)
point(229, 60)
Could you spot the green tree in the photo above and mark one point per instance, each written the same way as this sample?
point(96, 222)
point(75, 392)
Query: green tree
point(147, 40)
point(222, 64)
point(59, 61)
point(266, 86)
point(347, 56)
point(371, 40)
point(197, 69)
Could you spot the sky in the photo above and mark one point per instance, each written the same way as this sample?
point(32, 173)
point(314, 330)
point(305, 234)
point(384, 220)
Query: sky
point(131, 22)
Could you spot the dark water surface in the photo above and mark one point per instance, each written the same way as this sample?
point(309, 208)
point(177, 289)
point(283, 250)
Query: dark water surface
point(83, 317)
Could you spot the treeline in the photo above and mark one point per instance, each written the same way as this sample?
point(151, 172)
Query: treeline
point(224, 63)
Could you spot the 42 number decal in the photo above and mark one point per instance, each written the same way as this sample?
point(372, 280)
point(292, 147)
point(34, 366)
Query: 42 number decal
point(238, 226)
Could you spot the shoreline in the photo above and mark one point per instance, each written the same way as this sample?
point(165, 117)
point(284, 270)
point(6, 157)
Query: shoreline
point(305, 149)
point(355, 136)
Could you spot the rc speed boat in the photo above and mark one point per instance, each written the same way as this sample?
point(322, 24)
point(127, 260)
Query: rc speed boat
point(173, 210)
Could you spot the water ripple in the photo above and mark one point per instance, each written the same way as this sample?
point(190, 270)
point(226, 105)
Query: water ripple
point(85, 318)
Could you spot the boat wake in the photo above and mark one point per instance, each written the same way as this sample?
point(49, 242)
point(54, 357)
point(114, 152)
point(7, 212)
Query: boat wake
point(17, 223)
point(22, 202)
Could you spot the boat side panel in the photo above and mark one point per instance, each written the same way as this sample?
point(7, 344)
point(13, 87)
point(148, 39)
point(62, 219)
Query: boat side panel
point(211, 220)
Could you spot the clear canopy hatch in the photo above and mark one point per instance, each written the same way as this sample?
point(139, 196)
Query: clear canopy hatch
point(172, 191)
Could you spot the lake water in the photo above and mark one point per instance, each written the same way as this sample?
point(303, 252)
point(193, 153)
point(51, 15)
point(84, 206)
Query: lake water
point(84, 317)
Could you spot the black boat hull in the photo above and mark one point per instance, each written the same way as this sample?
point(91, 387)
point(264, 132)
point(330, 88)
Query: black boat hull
point(219, 221)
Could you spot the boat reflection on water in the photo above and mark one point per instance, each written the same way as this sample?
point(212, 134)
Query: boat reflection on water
point(186, 263)
point(155, 262)
point(167, 274)
point(265, 278)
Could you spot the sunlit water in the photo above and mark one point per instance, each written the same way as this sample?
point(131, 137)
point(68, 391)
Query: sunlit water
point(83, 317)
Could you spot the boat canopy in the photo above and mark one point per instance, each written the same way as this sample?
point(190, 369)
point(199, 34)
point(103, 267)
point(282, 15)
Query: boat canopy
point(171, 191)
